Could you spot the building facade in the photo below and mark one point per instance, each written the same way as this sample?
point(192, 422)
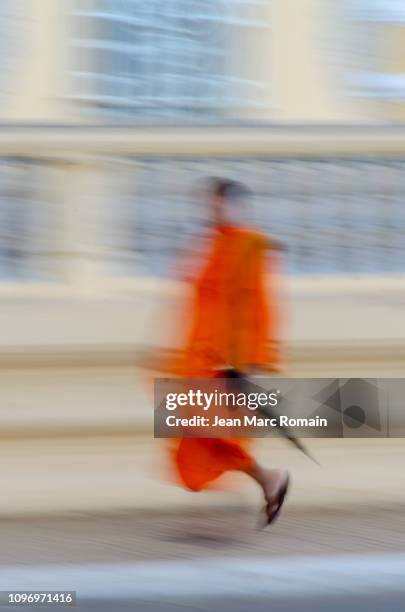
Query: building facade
point(226, 60)
point(77, 218)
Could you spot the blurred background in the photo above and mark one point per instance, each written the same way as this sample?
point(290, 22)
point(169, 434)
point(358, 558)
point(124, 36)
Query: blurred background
point(112, 112)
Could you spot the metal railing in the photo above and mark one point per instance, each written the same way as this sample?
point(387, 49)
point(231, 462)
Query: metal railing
point(338, 214)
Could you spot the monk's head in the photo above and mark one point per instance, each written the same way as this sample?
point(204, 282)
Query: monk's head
point(228, 201)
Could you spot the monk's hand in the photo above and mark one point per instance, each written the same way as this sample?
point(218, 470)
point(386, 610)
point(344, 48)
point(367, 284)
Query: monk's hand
point(276, 245)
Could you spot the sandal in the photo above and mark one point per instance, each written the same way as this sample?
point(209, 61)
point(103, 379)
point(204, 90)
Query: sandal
point(271, 515)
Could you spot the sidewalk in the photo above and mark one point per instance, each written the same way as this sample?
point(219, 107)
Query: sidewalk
point(113, 474)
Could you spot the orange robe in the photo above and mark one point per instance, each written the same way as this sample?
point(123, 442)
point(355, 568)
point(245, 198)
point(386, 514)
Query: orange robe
point(232, 326)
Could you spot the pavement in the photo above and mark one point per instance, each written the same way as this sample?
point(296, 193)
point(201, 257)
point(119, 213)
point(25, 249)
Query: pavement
point(115, 473)
point(87, 500)
point(226, 531)
point(148, 545)
point(99, 516)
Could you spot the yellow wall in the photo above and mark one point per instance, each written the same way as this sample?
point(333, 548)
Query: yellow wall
point(39, 86)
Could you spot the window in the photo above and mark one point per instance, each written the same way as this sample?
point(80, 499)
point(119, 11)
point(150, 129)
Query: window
point(378, 41)
point(167, 59)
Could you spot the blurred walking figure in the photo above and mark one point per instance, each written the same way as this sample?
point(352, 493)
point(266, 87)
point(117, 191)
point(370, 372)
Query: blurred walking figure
point(233, 332)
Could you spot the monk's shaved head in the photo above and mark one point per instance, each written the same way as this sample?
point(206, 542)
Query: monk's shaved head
point(228, 189)
point(229, 200)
